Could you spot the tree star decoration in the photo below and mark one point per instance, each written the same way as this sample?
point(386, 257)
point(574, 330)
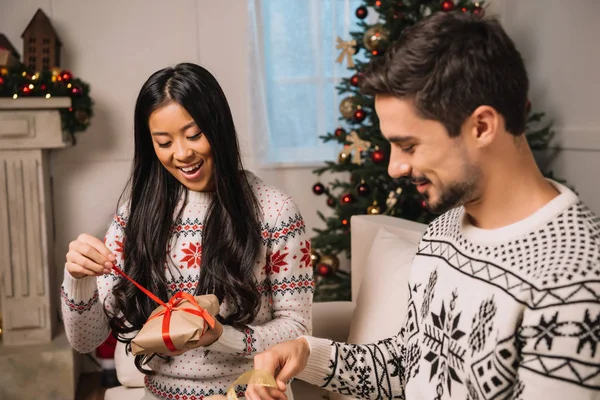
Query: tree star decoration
point(348, 50)
point(356, 147)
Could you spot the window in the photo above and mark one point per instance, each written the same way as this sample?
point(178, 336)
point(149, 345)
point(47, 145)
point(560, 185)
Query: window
point(301, 74)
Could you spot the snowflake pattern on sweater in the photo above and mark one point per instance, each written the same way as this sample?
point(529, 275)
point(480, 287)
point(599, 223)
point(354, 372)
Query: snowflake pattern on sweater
point(511, 313)
point(285, 280)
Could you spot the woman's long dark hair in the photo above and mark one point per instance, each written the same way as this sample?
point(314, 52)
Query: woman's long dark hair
point(231, 236)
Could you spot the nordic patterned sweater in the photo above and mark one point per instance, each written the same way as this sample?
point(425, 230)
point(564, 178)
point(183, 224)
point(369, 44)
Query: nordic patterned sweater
point(510, 313)
point(284, 275)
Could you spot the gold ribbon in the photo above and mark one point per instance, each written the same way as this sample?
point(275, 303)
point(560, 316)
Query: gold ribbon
point(348, 50)
point(252, 377)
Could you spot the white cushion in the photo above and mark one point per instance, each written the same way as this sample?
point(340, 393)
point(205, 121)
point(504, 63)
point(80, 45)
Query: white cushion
point(382, 298)
point(124, 393)
point(127, 373)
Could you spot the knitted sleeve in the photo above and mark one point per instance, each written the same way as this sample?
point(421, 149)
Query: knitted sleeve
point(288, 283)
point(83, 299)
point(371, 371)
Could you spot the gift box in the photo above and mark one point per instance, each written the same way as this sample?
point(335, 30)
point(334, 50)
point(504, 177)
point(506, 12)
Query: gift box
point(180, 325)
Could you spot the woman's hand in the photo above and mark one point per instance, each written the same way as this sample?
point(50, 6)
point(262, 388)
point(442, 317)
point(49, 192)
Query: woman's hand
point(212, 335)
point(88, 256)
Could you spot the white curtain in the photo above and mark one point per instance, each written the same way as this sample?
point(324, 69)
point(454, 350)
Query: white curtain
point(293, 75)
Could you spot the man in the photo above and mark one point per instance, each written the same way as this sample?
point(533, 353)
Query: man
point(505, 285)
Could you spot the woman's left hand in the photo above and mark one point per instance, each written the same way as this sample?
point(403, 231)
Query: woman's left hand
point(212, 335)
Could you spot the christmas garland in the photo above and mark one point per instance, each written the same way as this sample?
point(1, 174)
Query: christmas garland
point(20, 82)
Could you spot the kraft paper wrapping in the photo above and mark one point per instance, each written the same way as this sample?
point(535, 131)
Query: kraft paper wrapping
point(185, 330)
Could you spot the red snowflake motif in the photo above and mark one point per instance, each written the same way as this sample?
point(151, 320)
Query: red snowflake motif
point(305, 261)
point(276, 262)
point(120, 248)
point(193, 255)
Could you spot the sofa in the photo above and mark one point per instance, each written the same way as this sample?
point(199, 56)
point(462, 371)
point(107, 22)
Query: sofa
point(382, 251)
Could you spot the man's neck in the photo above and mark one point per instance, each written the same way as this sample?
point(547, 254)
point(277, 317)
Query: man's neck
point(511, 194)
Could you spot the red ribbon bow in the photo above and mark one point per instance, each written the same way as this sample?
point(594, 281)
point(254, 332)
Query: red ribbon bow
point(171, 306)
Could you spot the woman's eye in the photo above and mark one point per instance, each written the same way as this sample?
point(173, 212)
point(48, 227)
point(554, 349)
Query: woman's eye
point(196, 136)
point(163, 145)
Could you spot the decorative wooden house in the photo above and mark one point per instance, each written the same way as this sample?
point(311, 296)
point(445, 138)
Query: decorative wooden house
point(8, 54)
point(41, 45)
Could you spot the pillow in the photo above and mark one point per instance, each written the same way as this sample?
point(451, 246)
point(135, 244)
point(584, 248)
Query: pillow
point(383, 295)
point(127, 373)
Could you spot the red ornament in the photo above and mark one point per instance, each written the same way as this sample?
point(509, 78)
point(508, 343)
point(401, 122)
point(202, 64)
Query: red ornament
point(323, 270)
point(378, 3)
point(378, 156)
point(70, 109)
point(464, 9)
point(361, 12)
point(330, 202)
point(344, 222)
point(360, 115)
point(447, 5)
point(66, 75)
point(318, 189)
point(25, 89)
point(43, 87)
point(1, 80)
point(528, 106)
point(363, 190)
point(76, 91)
point(478, 11)
point(375, 52)
point(340, 132)
point(346, 199)
point(423, 204)
point(355, 80)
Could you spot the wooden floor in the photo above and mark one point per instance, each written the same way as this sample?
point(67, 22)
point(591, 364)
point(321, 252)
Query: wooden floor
point(90, 387)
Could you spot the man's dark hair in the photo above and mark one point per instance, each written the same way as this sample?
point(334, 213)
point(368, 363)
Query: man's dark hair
point(450, 63)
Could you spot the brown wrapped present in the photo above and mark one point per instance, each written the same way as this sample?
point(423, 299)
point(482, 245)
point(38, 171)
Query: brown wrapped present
point(178, 326)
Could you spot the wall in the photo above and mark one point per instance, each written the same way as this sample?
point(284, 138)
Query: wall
point(116, 45)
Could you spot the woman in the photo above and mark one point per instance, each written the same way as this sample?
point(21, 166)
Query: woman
point(195, 221)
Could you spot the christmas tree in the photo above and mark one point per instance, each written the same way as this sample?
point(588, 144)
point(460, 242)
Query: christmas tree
point(364, 152)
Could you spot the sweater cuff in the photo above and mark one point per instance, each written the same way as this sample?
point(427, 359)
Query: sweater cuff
point(79, 289)
point(231, 341)
point(318, 366)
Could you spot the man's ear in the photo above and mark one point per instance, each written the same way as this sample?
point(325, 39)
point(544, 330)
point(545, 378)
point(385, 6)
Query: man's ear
point(484, 125)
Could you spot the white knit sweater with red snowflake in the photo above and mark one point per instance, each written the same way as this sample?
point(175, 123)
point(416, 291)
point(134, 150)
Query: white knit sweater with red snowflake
point(285, 279)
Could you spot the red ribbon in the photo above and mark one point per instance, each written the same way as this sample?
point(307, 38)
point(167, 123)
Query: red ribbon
point(171, 306)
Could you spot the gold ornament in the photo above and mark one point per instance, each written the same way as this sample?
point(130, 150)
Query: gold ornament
point(348, 50)
point(376, 37)
point(347, 107)
point(374, 209)
point(343, 157)
point(332, 261)
point(314, 257)
point(356, 147)
point(3, 71)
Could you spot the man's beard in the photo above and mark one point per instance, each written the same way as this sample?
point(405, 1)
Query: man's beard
point(454, 195)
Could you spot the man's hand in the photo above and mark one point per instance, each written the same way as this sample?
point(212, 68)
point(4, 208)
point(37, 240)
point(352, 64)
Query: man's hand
point(284, 361)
